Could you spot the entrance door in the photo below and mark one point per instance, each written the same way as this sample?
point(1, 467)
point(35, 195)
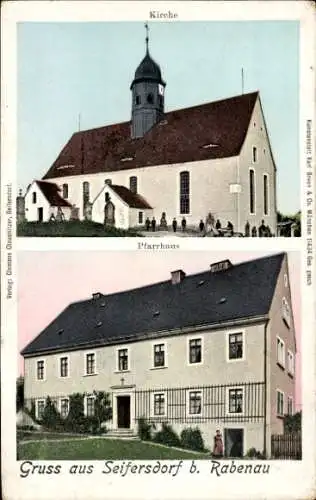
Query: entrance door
point(123, 412)
point(234, 442)
point(40, 214)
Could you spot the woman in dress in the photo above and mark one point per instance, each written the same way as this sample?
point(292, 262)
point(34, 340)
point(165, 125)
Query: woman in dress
point(218, 449)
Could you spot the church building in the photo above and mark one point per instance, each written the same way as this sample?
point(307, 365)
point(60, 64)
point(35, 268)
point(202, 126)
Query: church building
point(213, 158)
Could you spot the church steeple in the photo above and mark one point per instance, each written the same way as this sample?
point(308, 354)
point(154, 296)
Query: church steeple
point(147, 94)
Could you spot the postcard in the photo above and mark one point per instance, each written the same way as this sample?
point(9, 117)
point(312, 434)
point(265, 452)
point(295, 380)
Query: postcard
point(144, 356)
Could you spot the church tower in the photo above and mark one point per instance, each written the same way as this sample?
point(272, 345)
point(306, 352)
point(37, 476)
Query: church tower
point(147, 95)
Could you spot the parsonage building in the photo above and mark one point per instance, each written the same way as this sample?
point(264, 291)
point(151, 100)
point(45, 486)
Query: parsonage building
point(213, 350)
point(213, 158)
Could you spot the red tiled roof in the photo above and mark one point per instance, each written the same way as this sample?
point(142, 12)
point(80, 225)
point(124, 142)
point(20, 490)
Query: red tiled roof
point(51, 192)
point(133, 200)
point(179, 138)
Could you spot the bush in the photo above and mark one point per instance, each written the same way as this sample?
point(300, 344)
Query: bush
point(253, 453)
point(144, 429)
point(51, 418)
point(167, 436)
point(192, 439)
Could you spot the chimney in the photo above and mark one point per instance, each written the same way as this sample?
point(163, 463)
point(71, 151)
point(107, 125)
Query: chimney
point(220, 266)
point(177, 276)
point(96, 295)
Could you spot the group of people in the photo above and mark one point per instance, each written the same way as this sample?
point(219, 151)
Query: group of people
point(263, 231)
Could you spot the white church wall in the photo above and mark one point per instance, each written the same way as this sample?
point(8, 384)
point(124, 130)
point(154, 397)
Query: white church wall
point(257, 137)
point(31, 209)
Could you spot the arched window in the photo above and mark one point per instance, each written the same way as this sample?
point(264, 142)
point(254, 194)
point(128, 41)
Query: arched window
point(137, 99)
point(108, 181)
point(133, 184)
point(252, 199)
point(86, 193)
point(65, 191)
point(150, 98)
point(265, 194)
point(184, 192)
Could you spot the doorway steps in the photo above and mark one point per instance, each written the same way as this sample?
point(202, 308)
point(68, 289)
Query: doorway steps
point(122, 434)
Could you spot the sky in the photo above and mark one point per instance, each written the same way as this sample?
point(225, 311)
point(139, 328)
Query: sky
point(71, 69)
point(43, 297)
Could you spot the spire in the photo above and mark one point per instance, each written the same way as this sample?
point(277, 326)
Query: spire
point(147, 37)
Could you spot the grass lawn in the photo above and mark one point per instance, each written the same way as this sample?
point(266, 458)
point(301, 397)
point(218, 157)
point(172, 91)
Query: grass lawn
point(99, 449)
point(70, 229)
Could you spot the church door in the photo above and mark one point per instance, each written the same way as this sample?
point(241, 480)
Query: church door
point(109, 214)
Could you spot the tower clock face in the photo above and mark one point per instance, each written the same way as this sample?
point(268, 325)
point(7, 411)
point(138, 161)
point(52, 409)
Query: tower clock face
point(160, 89)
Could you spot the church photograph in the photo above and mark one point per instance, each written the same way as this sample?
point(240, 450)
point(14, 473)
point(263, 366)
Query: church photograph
point(159, 140)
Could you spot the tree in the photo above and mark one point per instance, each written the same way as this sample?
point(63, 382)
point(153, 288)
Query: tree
point(102, 408)
point(51, 417)
point(289, 220)
point(19, 393)
point(293, 423)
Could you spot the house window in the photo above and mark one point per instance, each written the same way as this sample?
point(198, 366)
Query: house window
point(159, 355)
point(40, 407)
point(290, 363)
point(150, 98)
point(122, 360)
point(64, 407)
point(90, 363)
point(133, 184)
point(65, 190)
point(235, 346)
point(86, 193)
point(108, 182)
point(280, 403)
point(265, 194)
point(252, 191)
point(254, 154)
point(90, 406)
point(280, 352)
point(159, 404)
point(40, 370)
point(34, 197)
point(184, 192)
point(235, 400)
point(195, 402)
point(195, 351)
point(140, 217)
point(107, 197)
point(290, 405)
point(64, 366)
point(286, 313)
point(137, 99)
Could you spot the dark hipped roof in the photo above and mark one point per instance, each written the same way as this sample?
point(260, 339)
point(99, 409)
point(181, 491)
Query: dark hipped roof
point(198, 300)
point(180, 137)
point(133, 200)
point(51, 192)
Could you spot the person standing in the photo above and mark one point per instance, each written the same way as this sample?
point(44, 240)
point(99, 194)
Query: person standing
point(174, 225)
point(201, 226)
point(147, 223)
point(153, 224)
point(184, 224)
point(218, 448)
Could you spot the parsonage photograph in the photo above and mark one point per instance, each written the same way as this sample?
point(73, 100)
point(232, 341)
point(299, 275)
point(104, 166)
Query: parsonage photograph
point(186, 355)
point(158, 129)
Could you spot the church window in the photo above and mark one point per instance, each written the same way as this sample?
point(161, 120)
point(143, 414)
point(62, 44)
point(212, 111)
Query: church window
point(252, 191)
point(140, 217)
point(184, 192)
point(65, 190)
point(265, 194)
point(133, 184)
point(108, 182)
point(137, 99)
point(150, 98)
point(34, 197)
point(86, 193)
point(254, 154)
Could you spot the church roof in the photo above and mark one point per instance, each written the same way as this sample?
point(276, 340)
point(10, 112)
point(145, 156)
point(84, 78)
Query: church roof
point(208, 131)
point(133, 200)
point(51, 192)
point(242, 291)
point(148, 69)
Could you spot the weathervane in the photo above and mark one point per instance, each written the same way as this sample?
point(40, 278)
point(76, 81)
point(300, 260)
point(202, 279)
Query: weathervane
point(147, 36)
